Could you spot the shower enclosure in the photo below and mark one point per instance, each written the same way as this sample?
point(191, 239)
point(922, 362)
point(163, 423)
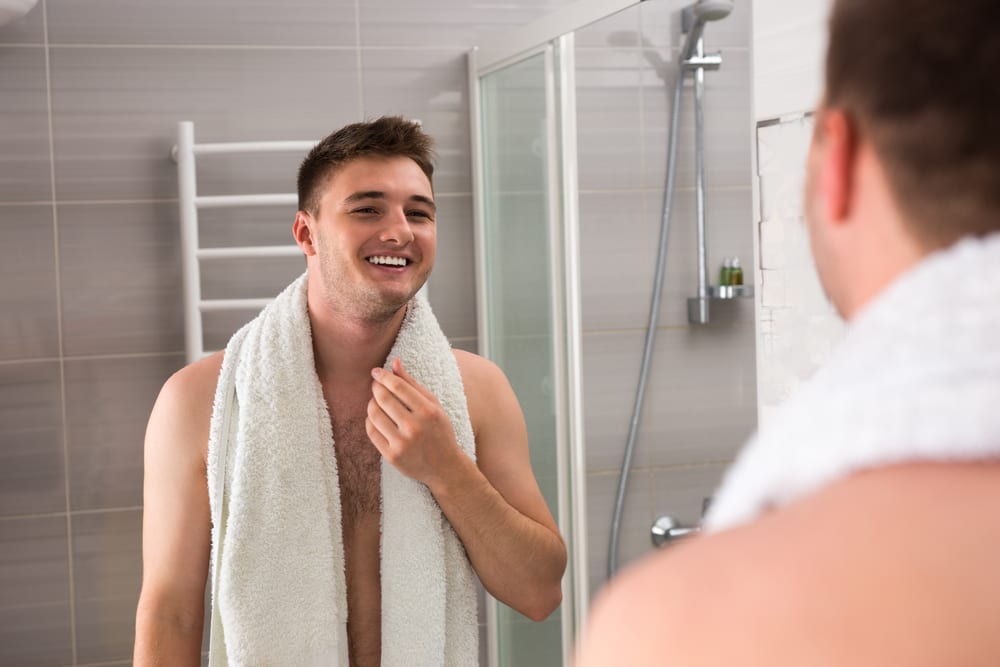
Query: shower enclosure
point(524, 128)
point(524, 136)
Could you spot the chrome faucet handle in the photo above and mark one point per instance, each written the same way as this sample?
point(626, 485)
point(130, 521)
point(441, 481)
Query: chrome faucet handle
point(666, 530)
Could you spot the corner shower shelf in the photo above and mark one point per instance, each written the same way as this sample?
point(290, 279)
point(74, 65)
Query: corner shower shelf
point(730, 291)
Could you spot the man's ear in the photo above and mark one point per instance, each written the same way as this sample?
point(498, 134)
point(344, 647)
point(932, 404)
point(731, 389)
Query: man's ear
point(838, 163)
point(302, 232)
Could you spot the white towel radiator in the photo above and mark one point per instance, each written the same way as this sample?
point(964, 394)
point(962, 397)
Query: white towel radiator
point(184, 153)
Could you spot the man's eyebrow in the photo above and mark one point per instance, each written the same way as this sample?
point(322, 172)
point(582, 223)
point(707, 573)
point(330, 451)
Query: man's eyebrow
point(378, 194)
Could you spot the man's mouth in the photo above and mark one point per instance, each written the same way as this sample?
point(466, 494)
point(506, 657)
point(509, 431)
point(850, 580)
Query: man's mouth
point(386, 260)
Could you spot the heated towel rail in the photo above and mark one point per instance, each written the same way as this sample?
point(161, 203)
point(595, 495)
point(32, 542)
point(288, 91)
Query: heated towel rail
point(184, 153)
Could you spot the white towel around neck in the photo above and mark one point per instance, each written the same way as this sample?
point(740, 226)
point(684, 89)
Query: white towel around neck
point(916, 378)
point(278, 587)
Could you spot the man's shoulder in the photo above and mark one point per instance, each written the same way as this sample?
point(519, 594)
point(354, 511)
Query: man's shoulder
point(477, 372)
point(196, 381)
point(183, 409)
point(874, 556)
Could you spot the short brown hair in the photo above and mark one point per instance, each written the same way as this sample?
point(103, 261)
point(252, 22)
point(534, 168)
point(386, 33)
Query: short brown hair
point(920, 80)
point(388, 136)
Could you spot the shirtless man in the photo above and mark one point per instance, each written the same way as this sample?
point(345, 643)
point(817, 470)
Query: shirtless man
point(892, 562)
point(356, 204)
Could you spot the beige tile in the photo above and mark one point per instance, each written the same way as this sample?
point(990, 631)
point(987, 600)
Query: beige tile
point(295, 22)
point(28, 317)
point(107, 572)
point(108, 402)
point(31, 442)
point(34, 592)
point(24, 131)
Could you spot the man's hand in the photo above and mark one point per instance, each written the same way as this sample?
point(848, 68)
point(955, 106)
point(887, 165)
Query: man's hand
point(409, 427)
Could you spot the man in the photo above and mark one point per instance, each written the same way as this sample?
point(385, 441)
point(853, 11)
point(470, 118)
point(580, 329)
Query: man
point(367, 226)
point(860, 527)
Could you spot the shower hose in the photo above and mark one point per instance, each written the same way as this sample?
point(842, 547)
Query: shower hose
point(654, 314)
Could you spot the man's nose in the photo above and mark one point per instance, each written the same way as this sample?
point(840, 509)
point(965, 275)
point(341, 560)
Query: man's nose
point(397, 228)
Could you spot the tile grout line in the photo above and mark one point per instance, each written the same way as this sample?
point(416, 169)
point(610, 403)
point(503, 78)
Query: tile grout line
point(53, 515)
point(358, 61)
point(60, 332)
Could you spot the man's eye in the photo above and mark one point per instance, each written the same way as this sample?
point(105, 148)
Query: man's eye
point(419, 214)
point(366, 210)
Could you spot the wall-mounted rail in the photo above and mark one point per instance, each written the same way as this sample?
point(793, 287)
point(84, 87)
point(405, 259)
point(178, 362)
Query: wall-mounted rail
point(184, 153)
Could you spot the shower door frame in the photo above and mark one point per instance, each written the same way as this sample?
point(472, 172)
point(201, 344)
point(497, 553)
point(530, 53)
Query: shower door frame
point(553, 36)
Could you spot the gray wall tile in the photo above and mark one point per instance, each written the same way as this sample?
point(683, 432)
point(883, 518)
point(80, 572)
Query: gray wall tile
point(608, 119)
point(121, 278)
point(107, 406)
point(619, 237)
point(34, 592)
point(680, 492)
point(430, 85)
point(116, 109)
point(700, 402)
point(24, 126)
point(31, 439)
point(29, 29)
point(637, 517)
point(452, 285)
point(107, 573)
point(621, 29)
point(260, 23)
point(445, 23)
point(28, 311)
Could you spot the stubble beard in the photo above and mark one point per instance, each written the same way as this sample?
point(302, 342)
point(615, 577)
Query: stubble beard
point(359, 299)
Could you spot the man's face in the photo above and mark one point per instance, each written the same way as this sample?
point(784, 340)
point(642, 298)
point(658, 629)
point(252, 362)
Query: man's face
point(375, 235)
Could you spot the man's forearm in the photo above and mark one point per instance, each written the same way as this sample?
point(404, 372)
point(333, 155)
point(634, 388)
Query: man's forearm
point(519, 561)
point(163, 638)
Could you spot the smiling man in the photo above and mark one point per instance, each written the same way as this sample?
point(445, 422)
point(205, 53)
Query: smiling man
point(359, 470)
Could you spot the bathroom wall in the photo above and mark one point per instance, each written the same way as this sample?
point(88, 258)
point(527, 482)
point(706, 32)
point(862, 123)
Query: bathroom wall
point(797, 326)
point(701, 398)
point(90, 298)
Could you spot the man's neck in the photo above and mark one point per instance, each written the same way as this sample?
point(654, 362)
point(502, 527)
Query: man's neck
point(347, 345)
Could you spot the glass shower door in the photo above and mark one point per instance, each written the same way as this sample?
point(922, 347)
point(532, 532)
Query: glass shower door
point(523, 301)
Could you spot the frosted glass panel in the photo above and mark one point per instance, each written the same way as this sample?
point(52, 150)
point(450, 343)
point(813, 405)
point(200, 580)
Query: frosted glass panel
point(518, 266)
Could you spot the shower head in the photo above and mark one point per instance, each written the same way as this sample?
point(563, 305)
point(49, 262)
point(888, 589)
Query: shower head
point(711, 10)
point(694, 17)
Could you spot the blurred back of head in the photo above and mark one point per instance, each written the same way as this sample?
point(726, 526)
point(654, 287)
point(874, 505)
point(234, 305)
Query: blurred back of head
point(920, 79)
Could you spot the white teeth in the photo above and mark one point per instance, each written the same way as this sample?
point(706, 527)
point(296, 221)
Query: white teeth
point(390, 261)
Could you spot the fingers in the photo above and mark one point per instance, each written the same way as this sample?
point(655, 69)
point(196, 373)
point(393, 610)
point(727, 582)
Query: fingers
point(397, 368)
point(407, 390)
point(390, 403)
point(379, 425)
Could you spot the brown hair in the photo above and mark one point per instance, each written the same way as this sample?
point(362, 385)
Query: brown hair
point(919, 78)
point(388, 136)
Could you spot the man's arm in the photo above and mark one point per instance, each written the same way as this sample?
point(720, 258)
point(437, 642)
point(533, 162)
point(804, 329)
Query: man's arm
point(494, 504)
point(176, 524)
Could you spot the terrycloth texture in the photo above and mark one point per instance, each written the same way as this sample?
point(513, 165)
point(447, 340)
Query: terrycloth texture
point(278, 556)
point(917, 378)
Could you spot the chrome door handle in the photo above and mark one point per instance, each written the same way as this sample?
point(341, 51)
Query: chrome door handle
point(666, 530)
